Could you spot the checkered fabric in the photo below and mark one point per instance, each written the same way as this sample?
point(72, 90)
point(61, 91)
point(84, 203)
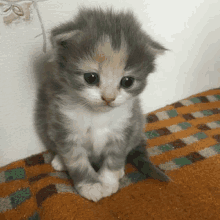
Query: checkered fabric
point(183, 140)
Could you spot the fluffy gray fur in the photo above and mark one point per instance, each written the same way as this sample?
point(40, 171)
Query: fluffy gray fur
point(94, 128)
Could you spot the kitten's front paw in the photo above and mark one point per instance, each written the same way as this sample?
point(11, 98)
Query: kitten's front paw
point(90, 191)
point(110, 181)
point(57, 164)
point(109, 188)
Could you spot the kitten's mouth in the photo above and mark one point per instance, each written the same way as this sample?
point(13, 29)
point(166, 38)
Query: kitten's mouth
point(108, 105)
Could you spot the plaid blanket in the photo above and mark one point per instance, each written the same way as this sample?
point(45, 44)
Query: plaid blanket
point(183, 140)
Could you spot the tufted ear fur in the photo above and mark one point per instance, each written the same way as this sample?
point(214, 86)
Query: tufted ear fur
point(156, 48)
point(151, 45)
point(63, 38)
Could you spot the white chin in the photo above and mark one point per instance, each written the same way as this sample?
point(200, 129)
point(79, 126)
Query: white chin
point(101, 108)
point(106, 108)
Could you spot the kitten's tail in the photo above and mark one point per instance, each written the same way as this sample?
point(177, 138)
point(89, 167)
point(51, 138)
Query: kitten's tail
point(139, 158)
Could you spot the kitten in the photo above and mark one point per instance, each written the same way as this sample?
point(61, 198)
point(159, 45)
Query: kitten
point(88, 109)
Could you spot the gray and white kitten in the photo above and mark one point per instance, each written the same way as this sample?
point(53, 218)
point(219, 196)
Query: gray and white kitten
point(88, 109)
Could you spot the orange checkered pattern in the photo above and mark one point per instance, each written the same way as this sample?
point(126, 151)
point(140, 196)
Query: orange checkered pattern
point(183, 140)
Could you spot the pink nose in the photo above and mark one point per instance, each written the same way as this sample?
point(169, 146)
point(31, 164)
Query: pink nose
point(107, 100)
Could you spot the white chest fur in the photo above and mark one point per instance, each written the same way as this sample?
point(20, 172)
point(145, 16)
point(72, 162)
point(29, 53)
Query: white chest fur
point(95, 129)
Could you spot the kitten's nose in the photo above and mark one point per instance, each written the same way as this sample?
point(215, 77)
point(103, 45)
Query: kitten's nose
point(108, 99)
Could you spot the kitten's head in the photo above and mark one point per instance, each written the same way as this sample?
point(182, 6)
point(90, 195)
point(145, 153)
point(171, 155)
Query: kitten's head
point(104, 57)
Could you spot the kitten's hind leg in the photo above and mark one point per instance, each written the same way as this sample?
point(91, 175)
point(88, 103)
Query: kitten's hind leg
point(139, 158)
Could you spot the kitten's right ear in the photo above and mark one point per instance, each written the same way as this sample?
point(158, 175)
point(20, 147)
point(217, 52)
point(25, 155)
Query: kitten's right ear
point(63, 38)
point(156, 48)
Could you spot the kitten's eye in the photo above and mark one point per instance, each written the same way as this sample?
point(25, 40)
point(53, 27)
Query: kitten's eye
point(91, 78)
point(127, 81)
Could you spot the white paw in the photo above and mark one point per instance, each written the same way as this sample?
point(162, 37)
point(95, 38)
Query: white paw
point(110, 181)
point(109, 189)
point(90, 191)
point(57, 164)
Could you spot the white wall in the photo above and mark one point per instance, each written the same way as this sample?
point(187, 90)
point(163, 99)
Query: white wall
point(190, 29)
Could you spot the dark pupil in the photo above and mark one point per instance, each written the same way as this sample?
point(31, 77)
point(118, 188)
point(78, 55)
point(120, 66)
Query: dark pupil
point(126, 82)
point(91, 78)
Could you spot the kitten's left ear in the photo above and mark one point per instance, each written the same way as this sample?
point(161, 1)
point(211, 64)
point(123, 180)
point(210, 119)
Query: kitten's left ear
point(63, 38)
